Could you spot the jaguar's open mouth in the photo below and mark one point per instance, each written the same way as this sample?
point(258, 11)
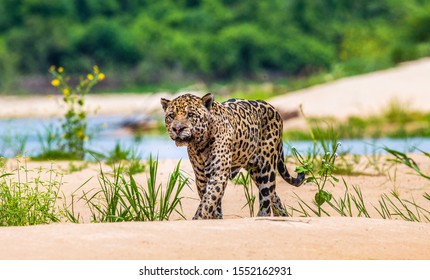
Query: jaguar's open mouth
point(182, 141)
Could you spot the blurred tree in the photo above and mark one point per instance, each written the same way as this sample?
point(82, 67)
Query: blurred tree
point(146, 41)
point(108, 43)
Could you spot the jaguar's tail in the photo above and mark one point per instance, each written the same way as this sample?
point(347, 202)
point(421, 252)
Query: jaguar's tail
point(284, 171)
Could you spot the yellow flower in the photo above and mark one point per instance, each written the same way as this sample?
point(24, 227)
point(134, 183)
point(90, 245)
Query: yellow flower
point(90, 77)
point(60, 69)
point(66, 91)
point(80, 133)
point(52, 68)
point(96, 69)
point(55, 82)
point(101, 76)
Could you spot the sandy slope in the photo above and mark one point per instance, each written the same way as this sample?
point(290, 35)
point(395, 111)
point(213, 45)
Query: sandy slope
point(49, 106)
point(305, 238)
point(238, 237)
point(407, 84)
point(235, 237)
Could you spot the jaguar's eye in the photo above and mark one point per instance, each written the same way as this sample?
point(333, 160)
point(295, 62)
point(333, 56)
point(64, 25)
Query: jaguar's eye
point(170, 116)
point(191, 115)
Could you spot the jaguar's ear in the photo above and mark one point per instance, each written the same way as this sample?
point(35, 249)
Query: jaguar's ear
point(164, 103)
point(208, 101)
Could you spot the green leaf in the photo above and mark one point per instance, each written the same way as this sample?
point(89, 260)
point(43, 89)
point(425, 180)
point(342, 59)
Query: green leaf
point(322, 196)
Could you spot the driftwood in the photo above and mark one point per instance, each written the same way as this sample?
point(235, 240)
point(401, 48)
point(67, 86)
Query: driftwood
point(139, 124)
point(287, 115)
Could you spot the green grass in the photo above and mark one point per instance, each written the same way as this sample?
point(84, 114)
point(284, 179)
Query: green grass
point(322, 165)
point(392, 206)
point(397, 121)
point(76, 167)
point(120, 198)
point(51, 147)
point(246, 182)
point(13, 143)
point(125, 158)
point(404, 159)
point(352, 203)
point(27, 199)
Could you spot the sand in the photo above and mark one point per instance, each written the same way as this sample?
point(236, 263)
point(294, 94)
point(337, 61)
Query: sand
point(238, 236)
point(363, 95)
point(238, 239)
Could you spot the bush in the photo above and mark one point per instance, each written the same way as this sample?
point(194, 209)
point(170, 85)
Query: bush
point(69, 141)
point(25, 201)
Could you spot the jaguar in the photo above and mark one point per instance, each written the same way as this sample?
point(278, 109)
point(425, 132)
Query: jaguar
point(221, 139)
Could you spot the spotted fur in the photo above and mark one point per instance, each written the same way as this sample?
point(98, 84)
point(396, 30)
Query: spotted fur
point(222, 138)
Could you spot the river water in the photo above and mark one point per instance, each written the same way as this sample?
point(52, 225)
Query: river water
point(18, 133)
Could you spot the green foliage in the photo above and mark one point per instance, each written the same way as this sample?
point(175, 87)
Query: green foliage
point(396, 121)
point(246, 182)
point(414, 35)
point(322, 164)
point(404, 159)
point(69, 141)
point(120, 153)
point(25, 201)
point(393, 206)
point(320, 175)
point(121, 198)
point(50, 141)
point(352, 203)
point(116, 41)
point(75, 167)
point(13, 144)
point(127, 159)
point(142, 42)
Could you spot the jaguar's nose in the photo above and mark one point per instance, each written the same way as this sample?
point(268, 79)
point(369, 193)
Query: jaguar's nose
point(177, 128)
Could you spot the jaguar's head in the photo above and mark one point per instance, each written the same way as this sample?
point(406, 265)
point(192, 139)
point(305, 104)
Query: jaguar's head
point(187, 117)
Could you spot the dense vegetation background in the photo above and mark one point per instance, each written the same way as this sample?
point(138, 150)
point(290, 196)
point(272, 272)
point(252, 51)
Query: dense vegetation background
point(143, 42)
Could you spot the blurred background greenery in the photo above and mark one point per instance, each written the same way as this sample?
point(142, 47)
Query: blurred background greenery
point(145, 45)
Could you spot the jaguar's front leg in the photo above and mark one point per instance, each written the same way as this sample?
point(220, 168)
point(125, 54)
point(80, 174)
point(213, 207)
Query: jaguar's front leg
point(217, 173)
point(215, 215)
point(210, 205)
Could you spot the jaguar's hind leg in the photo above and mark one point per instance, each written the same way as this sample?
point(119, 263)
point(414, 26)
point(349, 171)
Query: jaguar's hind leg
point(278, 209)
point(264, 178)
point(218, 212)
